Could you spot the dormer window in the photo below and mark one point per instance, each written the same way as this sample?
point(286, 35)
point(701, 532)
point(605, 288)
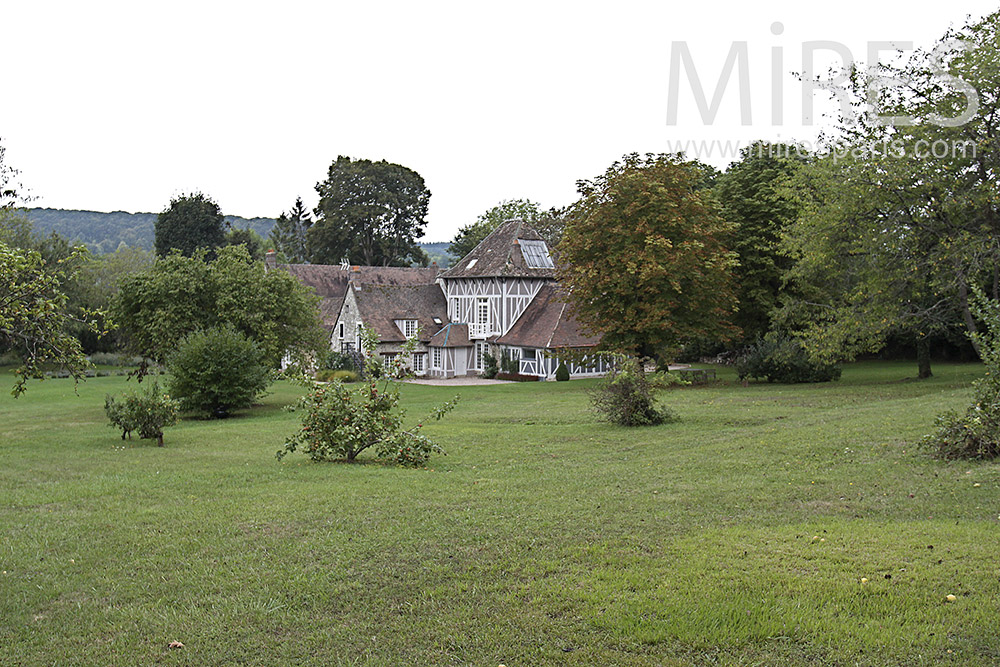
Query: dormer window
point(536, 254)
point(409, 328)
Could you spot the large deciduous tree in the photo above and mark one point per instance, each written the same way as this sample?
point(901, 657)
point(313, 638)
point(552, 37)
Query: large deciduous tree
point(754, 197)
point(645, 256)
point(369, 213)
point(157, 308)
point(546, 223)
point(900, 219)
point(190, 222)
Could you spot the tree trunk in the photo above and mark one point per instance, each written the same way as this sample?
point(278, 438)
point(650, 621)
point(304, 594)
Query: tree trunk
point(970, 321)
point(923, 358)
point(159, 439)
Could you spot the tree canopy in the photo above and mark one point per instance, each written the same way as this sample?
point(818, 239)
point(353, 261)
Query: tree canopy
point(155, 309)
point(34, 322)
point(469, 236)
point(899, 219)
point(369, 213)
point(754, 197)
point(190, 222)
point(289, 233)
point(644, 254)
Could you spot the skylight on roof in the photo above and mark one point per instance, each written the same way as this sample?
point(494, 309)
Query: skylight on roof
point(472, 262)
point(536, 254)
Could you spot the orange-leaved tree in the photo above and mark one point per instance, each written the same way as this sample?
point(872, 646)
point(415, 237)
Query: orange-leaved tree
point(645, 255)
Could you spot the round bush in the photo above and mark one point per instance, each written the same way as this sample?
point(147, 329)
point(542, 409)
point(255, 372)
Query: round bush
point(562, 373)
point(216, 371)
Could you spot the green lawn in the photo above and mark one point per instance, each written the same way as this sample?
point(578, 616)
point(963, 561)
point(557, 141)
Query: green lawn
point(738, 536)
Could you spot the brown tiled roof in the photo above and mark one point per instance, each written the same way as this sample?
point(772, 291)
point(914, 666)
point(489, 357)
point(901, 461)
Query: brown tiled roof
point(499, 254)
point(548, 323)
point(452, 335)
point(330, 282)
point(380, 305)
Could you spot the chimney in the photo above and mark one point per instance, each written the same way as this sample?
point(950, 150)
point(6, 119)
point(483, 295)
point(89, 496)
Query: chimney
point(271, 259)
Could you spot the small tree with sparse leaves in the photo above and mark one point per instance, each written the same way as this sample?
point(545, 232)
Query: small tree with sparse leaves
point(340, 422)
point(626, 396)
point(144, 411)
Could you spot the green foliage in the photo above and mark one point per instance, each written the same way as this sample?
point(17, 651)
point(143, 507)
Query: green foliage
point(546, 223)
point(34, 322)
point(146, 411)
point(897, 221)
point(340, 422)
point(105, 233)
point(289, 233)
point(216, 371)
point(670, 279)
point(490, 368)
point(782, 358)
point(343, 375)
point(369, 213)
point(333, 360)
point(191, 222)
point(508, 364)
point(975, 434)
point(626, 395)
point(157, 308)
point(753, 197)
point(249, 239)
point(562, 373)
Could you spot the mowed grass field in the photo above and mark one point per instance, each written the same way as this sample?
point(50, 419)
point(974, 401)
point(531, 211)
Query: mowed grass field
point(740, 535)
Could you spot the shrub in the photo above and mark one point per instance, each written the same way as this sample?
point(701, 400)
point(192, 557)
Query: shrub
point(346, 376)
point(779, 358)
point(975, 434)
point(517, 377)
point(335, 361)
point(490, 369)
point(509, 364)
point(328, 375)
point(216, 371)
point(340, 422)
point(625, 396)
point(145, 411)
point(562, 373)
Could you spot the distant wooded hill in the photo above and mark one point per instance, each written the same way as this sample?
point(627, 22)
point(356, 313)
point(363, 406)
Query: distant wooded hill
point(104, 232)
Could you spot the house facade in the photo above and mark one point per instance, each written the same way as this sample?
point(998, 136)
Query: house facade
point(500, 299)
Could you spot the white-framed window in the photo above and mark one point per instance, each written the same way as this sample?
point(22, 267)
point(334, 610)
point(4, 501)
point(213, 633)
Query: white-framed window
point(409, 328)
point(480, 360)
point(419, 363)
point(436, 358)
point(482, 311)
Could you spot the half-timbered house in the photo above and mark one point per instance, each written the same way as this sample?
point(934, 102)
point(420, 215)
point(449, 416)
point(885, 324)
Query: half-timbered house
point(502, 299)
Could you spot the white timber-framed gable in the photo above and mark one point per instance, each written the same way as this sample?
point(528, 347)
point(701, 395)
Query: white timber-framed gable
point(505, 299)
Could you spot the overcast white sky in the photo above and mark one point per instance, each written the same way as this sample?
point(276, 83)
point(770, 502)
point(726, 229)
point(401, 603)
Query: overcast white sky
point(120, 105)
